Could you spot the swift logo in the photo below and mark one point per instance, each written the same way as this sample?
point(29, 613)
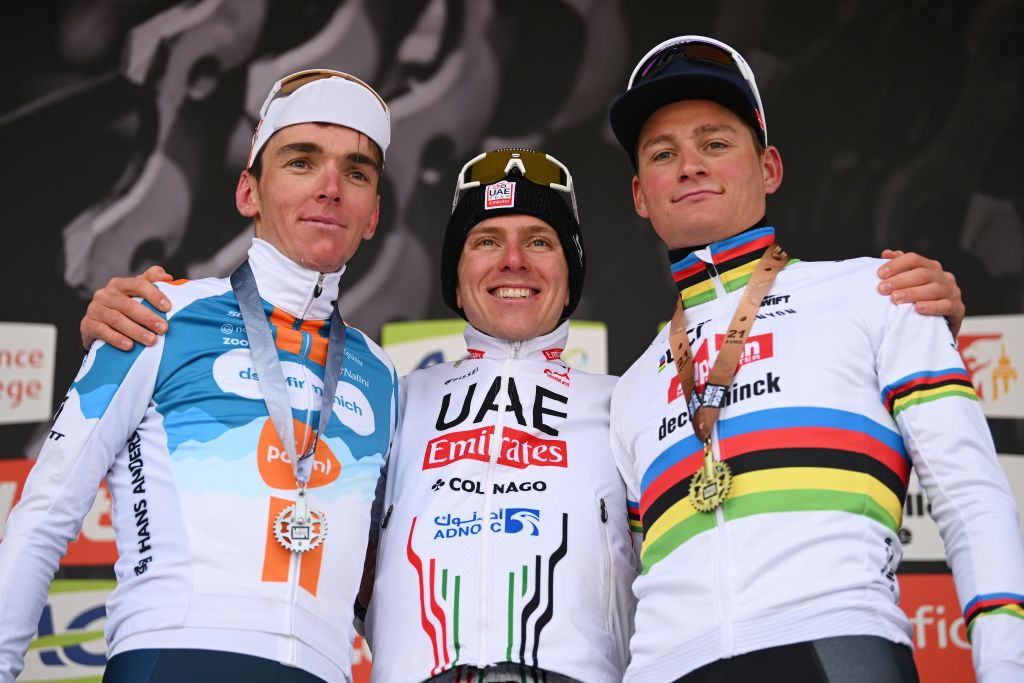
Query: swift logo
point(517, 449)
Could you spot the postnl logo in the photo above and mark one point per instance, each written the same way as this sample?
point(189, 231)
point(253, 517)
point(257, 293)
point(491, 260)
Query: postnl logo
point(276, 466)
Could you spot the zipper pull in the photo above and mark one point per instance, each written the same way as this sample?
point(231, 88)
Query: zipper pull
point(604, 512)
point(387, 517)
point(318, 290)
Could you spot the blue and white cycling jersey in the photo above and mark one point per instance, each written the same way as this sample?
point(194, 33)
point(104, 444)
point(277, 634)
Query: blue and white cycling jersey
point(198, 477)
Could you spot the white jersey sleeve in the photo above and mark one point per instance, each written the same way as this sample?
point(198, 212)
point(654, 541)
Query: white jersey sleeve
point(101, 410)
point(925, 387)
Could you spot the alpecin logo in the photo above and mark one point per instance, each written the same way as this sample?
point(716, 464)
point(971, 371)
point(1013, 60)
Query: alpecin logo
point(518, 449)
point(758, 347)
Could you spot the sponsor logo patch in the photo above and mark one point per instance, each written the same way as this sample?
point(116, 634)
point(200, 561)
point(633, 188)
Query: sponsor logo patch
point(552, 354)
point(500, 195)
point(560, 377)
point(518, 449)
point(517, 521)
point(473, 486)
point(758, 347)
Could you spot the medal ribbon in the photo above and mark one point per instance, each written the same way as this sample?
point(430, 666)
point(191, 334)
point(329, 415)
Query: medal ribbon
point(705, 406)
point(271, 376)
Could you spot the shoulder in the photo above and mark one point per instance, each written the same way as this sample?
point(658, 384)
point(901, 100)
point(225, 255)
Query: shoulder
point(361, 350)
point(186, 293)
point(650, 361)
point(845, 272)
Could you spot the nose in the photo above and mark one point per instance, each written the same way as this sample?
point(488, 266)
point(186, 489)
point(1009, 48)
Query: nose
point(513, 257)
point(329, 189)
point(691, 164)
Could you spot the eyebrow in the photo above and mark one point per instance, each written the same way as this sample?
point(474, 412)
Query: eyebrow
point(703, 129)
point(313, 148)
point(708, 128)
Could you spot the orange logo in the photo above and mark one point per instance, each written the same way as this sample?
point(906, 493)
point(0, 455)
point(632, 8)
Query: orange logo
point(276, 466)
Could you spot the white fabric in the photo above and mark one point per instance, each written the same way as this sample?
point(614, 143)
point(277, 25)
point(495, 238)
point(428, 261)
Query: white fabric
point(328, 100)
point(782, 562)
point(463, 598)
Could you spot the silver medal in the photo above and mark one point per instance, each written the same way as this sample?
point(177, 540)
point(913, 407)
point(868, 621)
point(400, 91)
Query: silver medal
point(300, 528)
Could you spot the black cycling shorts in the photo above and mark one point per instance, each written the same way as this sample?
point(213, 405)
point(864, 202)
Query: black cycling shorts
point(845, 659)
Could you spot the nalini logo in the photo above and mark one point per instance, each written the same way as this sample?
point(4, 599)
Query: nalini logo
point(517, 449)
point(500, 195)
point(992, 374)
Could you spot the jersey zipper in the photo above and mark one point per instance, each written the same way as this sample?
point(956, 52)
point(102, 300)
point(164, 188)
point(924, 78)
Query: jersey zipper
point(494, 448)
point(608, 566)
point(721, 537)
point(295, 565)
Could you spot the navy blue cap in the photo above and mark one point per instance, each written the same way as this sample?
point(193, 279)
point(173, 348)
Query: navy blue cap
point(686, 79)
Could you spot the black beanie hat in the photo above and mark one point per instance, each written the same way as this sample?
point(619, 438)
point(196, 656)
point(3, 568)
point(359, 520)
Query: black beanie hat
point(525, 197)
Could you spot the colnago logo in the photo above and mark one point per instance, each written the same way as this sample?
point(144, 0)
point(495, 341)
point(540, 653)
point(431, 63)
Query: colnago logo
point(758, 347)
point(517, 449)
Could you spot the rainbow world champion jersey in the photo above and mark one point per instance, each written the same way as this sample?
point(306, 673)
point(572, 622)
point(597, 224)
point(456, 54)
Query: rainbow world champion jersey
point(838, 394)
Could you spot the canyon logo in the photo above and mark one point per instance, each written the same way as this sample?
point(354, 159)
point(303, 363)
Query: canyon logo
point(518, 449)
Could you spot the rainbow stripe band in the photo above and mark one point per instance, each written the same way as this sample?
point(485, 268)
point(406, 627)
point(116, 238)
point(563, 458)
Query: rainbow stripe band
point(633, 511)
point(783, 460)
point(1010, 604)
point(734, 260)
point(922, 387)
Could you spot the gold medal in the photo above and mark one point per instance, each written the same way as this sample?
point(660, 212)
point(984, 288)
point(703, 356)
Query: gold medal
point(710, 485)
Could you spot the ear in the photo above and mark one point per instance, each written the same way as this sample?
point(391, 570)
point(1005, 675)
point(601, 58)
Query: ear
point(771, 167)
point(247, 199)
point(371, 226)
point(458, 295)
point(639, 202)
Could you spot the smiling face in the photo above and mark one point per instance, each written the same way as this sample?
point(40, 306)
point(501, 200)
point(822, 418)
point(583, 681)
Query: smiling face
point(316, 198)
point(513, 281)
point(700, 177)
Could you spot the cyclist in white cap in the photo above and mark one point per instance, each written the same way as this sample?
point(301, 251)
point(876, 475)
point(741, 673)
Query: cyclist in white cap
point(242, 448)
point(769, 431)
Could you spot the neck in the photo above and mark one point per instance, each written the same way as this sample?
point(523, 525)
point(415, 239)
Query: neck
point(300, 292)
point(546, 347)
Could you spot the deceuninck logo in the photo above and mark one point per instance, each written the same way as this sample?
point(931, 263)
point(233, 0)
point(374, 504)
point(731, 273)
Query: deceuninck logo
point(500, 195)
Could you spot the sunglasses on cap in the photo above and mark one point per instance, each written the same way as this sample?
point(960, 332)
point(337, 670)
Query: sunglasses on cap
point(700, 49)
point(537, 167)
point(289, 84)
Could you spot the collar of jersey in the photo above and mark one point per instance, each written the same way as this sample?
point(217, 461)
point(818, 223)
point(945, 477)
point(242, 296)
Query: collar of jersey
point(732, 259)
point(290, 287)
point(547, 347)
